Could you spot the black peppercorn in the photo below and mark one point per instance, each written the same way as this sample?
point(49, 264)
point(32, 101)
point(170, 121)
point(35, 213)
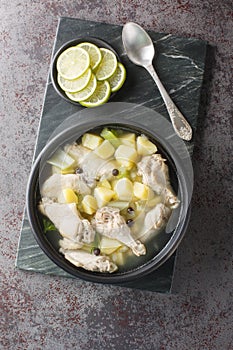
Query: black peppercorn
point(129, 222)
point(96, 251)
point(115, 172)
point(130, 211)
point(79, 171)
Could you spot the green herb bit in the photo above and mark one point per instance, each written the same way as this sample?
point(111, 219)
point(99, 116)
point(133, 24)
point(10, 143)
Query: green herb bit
point(123, 172)
point(48, 225)
point(96, 242)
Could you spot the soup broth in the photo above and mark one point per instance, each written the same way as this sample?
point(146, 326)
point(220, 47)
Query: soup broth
point(108, 198)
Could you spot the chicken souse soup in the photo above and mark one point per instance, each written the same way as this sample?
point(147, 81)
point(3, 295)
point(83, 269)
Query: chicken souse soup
point(108, 197)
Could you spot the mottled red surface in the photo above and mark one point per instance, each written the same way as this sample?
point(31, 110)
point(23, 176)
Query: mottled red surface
point(45, 312)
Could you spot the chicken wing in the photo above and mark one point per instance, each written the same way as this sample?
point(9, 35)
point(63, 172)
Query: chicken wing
point(108, 222)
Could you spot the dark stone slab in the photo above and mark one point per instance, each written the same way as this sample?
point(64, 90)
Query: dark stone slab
point(180, 65)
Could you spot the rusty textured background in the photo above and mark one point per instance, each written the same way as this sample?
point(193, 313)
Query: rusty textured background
point(44, 312)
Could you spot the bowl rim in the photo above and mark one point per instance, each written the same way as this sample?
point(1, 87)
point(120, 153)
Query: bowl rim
point(53, 69)
point(159, 259)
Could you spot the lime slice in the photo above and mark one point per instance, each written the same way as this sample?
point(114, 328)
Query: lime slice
point(107, 66)
point(94, 53)
point(85, 93)
point(73, 62)
point(100, 96)
point(75, 84)
point(118, 78)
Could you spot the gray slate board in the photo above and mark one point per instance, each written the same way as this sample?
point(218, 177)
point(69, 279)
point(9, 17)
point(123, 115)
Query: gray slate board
point(180, 64)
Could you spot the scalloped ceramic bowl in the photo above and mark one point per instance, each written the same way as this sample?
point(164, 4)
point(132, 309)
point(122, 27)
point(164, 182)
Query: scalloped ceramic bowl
point(139, 120)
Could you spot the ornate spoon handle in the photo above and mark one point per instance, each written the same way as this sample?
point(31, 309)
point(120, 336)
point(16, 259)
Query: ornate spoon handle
point(180, 124)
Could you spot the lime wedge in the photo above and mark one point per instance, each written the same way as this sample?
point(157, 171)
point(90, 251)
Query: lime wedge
point(107, 66)
point(100, 96)
point(73, 62)
point(94, 53)
point(75, 84)
point(118, 78)
point(85, 93)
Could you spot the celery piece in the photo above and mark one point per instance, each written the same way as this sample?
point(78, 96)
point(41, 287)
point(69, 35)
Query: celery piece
point(111, 137)
point(61, 160)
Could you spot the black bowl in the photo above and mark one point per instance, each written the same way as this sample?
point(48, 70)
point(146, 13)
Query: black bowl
point(129, 117)
point(53, 71)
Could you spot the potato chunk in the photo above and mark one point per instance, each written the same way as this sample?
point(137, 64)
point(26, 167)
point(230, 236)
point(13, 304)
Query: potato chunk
point(103, 195)
point(91, 141)
point(105, 183)
point(89, 204)
point(56, 170)
point(118, 204)
point(68, 195)
point(105, 150)
point(126, 156)
point(109, 245)
point(140, 190)
point(144, 146)
point(128, 140)
point(124, 189)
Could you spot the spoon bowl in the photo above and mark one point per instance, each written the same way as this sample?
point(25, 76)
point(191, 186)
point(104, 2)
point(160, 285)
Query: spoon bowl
point(140, 50)
point(143, 53)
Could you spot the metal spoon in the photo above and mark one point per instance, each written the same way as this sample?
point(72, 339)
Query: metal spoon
point(140, 50)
